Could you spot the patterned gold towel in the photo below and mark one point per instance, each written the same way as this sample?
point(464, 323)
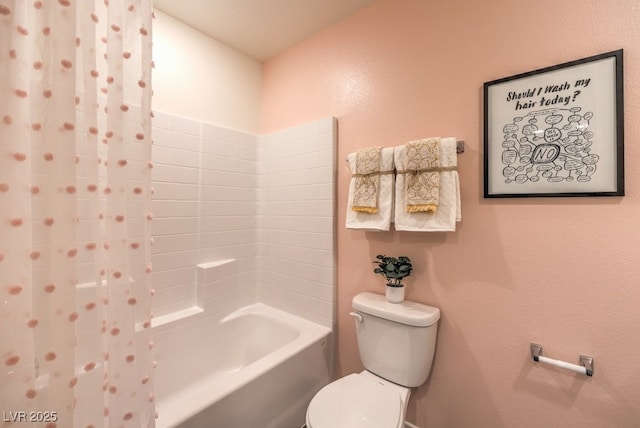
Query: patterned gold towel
point(367, 180)
point(422, 176)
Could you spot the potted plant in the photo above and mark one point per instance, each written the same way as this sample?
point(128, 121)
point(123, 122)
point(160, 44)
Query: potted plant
point(394, 270)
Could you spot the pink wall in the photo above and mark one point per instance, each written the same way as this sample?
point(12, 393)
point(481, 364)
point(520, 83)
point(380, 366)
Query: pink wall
point(561, 272)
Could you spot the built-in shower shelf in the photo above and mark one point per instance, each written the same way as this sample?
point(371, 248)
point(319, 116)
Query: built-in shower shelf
point(218, 273)
point(176, 316)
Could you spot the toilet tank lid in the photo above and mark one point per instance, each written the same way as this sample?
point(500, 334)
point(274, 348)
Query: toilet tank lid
point(406, 312)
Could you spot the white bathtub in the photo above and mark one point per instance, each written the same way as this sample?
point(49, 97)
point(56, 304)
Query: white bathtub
point(257, 367)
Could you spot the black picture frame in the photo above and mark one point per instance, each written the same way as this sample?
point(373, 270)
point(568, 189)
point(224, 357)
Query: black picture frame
point(557, 131)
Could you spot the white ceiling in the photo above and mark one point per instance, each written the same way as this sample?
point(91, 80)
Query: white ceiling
point(260, 28)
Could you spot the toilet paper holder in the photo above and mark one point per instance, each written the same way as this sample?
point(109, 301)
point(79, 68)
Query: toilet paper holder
point(586, 366)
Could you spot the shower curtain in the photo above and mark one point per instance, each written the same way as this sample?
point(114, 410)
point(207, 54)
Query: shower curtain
point(75, 167)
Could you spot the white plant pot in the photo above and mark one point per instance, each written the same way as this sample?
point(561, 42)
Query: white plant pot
point(395, 294)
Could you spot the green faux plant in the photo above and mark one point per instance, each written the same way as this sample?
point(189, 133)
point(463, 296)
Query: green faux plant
point(393, 269)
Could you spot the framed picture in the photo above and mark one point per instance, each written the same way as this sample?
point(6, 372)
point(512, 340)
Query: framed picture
point(557, 131)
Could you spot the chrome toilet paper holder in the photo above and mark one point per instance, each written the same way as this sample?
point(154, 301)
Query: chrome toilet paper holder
point(586, 367)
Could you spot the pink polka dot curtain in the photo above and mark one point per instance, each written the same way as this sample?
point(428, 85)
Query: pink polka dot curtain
point(75, 168)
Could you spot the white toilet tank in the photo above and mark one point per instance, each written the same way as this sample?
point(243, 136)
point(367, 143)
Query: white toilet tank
point(397, 341)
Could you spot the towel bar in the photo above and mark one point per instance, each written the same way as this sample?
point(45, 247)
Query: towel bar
point(586, 366)
point(459, 147)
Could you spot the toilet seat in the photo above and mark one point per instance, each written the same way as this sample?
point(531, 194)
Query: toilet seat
point(355, 401)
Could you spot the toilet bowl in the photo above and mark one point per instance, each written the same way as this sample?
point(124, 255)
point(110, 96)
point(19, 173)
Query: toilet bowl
point(396, 342)
point(359, 400)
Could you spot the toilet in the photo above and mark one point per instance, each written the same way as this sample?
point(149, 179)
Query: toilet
point(396, 343)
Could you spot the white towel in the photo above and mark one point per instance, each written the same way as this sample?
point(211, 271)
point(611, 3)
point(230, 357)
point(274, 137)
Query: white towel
point(382, 219)
point(449, 210)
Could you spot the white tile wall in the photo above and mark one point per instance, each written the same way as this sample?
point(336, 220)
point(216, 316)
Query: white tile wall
point(296, 194)
point(267, 202)
point(204, 181)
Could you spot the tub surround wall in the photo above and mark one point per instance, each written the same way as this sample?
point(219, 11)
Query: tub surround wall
point(296, 220)
point(204, 210)
point(266, 202)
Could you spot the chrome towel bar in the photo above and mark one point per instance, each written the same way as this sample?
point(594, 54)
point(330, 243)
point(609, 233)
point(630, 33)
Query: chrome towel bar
point(459, 147)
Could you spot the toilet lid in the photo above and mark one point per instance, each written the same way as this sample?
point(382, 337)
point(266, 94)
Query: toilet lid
point(355, 402)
